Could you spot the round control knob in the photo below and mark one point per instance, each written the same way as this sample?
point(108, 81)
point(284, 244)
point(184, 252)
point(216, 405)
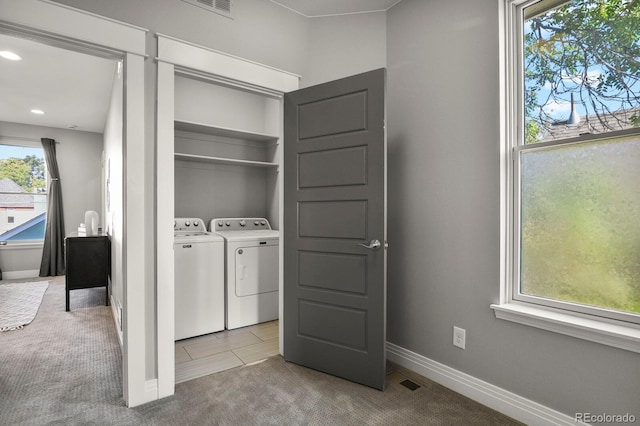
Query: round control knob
point(263, 222)
point(243, 223)
point(187, 223)
point(195, 223)
point(227, 223)
point(256, 223)
point(220, 223)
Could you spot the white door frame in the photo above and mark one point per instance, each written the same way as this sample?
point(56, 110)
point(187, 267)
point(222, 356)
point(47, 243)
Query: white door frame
point(175, 55)
point(83, 31)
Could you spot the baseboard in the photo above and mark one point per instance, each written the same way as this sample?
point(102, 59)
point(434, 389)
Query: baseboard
point(507, 403)
point(150, 390)
point(16, 275)
point(116, 318)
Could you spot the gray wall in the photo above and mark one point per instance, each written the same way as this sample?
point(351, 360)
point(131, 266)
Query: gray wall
point(444, 214)
point(79, 157)
point(340, 46)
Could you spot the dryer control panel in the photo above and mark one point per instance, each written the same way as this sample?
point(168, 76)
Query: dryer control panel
point(239, 224)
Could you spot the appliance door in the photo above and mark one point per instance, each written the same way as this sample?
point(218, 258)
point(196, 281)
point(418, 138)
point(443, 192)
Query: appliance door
point(256, 269)
point(199, 288)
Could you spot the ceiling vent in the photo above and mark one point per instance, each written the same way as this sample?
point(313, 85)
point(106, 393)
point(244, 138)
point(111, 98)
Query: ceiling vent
point(221, 7)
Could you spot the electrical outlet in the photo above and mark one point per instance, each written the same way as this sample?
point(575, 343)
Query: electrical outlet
point(459, 337)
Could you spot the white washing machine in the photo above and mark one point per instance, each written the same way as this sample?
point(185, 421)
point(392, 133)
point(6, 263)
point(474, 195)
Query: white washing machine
point(199, 279)
point(251, 270)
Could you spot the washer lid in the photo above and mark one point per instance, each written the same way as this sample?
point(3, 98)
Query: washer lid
point(250, 235)
point(196, 237)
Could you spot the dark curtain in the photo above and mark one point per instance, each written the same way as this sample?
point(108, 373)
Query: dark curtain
point(53, 252)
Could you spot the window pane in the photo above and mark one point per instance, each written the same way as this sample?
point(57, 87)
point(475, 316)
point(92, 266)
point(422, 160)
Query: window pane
point(23, 193)
point(580, 226)
point(581, 68)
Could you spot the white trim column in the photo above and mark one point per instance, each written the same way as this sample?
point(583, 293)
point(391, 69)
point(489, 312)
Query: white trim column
point(134, 351)
point(164, 232)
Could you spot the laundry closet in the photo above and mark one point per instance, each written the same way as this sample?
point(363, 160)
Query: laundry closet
point(227, 154)
point(220, 150)
point(219, 155)
point(226, 180)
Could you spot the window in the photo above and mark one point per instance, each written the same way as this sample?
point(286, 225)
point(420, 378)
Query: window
point(571, 157)
point(23, 193)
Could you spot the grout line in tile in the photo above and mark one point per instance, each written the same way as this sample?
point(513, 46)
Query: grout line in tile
point(264, 332)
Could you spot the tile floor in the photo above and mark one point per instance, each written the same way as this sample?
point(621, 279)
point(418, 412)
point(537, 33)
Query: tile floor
point(227, 349)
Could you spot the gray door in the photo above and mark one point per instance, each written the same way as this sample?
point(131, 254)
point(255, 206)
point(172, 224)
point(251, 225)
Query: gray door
point(335, 228)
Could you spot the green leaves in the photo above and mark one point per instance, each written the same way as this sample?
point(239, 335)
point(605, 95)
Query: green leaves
point(27, 172)
point(587, 47)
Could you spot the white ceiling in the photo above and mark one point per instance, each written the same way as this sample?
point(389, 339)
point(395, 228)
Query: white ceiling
point(315, 8)
point(72, 88)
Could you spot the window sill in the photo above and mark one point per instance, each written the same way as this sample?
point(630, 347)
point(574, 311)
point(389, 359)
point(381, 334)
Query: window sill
point(619, 335)
point(22, 246)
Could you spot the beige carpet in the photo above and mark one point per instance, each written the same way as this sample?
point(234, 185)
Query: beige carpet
point(19, 303)
point(65, 369)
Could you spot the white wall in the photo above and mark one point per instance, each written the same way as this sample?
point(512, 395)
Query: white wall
point(79, 156)
point(444, 188)
point(260, 30)
point(114, 187)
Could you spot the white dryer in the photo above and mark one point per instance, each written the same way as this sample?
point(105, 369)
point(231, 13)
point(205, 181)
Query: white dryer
point(199, 279)
point(251, 270)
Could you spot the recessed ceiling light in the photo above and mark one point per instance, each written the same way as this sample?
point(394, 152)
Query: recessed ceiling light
point(37, 111)
point(9, 55)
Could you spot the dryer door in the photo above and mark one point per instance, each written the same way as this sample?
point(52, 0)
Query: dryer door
point(256, 269)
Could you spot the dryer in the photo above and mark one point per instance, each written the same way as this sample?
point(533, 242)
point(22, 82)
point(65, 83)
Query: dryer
point(251, 270)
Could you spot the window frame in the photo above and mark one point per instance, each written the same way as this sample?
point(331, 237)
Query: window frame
point(26, 143)
point(553, 315)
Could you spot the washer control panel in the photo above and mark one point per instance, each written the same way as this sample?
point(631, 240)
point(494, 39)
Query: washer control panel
point(188, 224)
point(239, 224)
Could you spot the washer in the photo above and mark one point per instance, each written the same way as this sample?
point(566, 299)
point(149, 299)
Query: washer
point(199, 279)
point(251, 270)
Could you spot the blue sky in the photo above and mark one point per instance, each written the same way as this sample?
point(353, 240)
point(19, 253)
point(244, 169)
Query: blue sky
point(9, 151)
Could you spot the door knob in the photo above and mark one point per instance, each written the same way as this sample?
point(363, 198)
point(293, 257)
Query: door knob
point(373, 245)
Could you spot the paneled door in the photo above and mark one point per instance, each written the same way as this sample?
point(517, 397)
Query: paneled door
point(335, 228)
